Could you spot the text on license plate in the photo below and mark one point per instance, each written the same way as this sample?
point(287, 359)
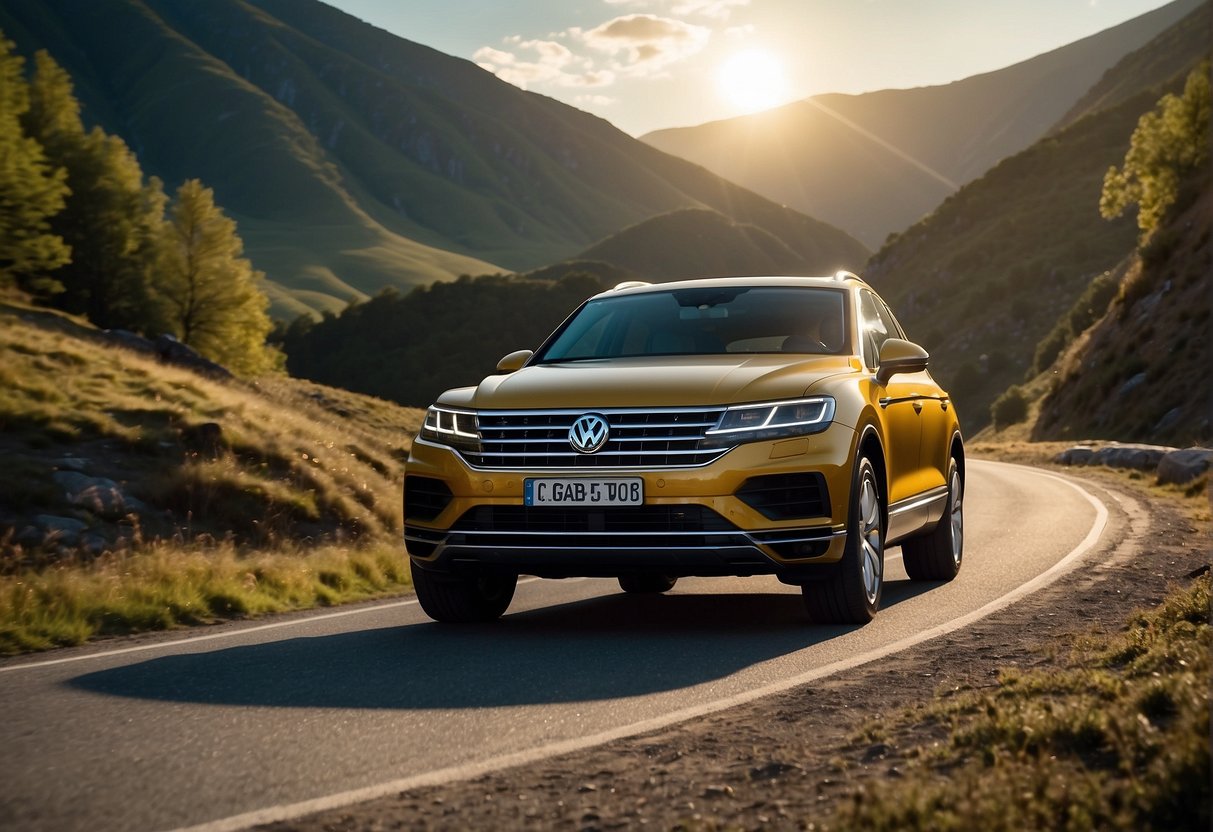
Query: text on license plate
point(584, 491)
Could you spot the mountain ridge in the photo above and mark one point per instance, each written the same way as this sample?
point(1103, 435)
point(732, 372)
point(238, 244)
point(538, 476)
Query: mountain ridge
point(874, 163)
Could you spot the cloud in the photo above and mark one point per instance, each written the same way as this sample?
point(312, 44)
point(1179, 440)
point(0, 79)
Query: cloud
point(644, 43)
point(541, 62)
point(716, 9)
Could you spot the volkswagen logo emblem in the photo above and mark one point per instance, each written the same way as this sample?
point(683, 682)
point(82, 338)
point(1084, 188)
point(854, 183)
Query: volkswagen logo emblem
point(589, 433)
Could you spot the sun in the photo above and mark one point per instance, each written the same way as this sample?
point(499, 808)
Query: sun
point(753, 80)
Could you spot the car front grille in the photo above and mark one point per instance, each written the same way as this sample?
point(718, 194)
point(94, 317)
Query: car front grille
point(655, 438)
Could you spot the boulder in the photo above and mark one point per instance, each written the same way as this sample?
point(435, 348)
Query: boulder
point(98, 495)
point(65, 530)
point(1139, 457)
point(173, 351)
point(1178, 467)
point(1078, 455)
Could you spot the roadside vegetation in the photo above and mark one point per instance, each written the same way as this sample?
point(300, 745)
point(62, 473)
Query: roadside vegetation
point(137, 495)
point(1117, 738)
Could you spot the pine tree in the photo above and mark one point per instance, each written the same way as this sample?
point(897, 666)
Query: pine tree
point(113, 218)
point(32, 191)
point(211, 290)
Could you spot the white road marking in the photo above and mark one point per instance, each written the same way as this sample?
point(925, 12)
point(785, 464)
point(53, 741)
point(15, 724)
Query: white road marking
point(225, 634)
point(283, 812)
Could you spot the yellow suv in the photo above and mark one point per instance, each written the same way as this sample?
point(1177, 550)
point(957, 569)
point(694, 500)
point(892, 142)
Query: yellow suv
point(732, 426)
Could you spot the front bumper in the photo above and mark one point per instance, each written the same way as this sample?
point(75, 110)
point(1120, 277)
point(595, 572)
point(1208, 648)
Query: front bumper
point(692, 523)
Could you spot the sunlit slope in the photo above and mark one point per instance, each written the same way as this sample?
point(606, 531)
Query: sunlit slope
point(982, 280)
point(188, 115)
point(873, 164)
point(353, 158)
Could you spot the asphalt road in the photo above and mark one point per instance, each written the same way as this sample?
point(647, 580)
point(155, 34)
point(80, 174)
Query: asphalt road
point(250, 722)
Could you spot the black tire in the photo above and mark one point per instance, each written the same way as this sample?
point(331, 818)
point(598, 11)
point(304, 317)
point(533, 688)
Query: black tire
point(937, 555)
point(646, 584)
point(459, 598)
point(850, 594)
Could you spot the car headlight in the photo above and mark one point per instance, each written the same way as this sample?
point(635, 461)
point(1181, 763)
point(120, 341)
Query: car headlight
point(454, 428)
point(772, 420)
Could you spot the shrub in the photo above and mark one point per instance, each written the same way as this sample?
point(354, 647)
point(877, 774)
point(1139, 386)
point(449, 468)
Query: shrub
point(1009, 408)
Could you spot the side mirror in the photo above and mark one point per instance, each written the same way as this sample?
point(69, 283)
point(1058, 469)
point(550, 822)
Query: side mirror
point(514, 361)
point(898, 356)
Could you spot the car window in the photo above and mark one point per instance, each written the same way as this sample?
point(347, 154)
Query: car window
point(878, 326)
point(704, 321)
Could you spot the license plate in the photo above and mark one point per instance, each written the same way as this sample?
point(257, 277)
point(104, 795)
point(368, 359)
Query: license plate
point(584, 491)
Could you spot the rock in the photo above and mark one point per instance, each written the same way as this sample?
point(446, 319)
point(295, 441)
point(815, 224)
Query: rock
point(718, 791)
point(772, 770)
point(173, 351)
point(73, 463)
point(103, 497)
point(63, 530)
point(1169, 420)
point(1078, 455)
point(1183, 466)
point(1131, 385)
point(1140, 457)
point(876, 752)
point(128, 339)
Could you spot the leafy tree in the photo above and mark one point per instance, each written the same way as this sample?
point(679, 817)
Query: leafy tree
point(113, 218)
point(1009, 408)
point(32, 190)
point(211, 291)
point(1170, 144)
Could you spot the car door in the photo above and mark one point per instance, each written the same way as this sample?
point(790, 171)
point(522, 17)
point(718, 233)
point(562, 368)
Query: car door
point(932, 406)
point(898, 402)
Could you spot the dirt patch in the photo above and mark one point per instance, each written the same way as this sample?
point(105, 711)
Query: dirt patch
point(788, 760)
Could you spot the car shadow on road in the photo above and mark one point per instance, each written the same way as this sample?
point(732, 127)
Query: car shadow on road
point(605, 647)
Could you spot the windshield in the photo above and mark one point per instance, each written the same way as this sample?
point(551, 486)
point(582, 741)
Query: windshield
point(707, 321)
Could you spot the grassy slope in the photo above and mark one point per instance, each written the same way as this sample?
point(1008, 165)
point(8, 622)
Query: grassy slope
point(297, 504)
point(864, 178)
point(349, 156)
point(1144, 358)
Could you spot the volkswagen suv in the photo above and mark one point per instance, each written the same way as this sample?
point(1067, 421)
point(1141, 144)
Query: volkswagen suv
point(732, 426)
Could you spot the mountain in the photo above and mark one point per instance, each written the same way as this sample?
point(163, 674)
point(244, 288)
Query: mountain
point(353, 159)
point(695, 242)
point(875, 163)
point(981, 281)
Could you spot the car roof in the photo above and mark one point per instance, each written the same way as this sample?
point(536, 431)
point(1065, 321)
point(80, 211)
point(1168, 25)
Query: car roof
point(838, 280)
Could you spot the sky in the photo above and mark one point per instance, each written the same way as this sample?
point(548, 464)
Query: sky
point(649, 64)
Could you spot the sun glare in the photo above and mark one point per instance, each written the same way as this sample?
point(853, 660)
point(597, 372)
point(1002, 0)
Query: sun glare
point(753, 80)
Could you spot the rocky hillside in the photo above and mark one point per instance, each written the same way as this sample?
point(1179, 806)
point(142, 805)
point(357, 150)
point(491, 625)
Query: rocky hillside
point(106, 446)
point(875, 163)
point(982, 280)
point(354, 160)
point(1140, 373)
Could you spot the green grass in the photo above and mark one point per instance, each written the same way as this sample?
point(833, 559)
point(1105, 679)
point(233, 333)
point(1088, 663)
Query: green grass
point(1117, 739)
point(169, 585)
point(293, 500)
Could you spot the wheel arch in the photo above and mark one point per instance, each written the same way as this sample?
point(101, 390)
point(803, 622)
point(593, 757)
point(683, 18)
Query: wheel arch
point(870, 445)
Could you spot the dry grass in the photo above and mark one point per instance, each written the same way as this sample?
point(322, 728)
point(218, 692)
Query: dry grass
point(165, 586)
point(253, 497)
point(1116, 739)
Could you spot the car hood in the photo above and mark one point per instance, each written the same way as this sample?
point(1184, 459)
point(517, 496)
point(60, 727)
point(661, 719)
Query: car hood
point(647, 382)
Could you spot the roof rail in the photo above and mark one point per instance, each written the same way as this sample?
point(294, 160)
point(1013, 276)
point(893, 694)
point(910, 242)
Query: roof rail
point(843, 274)
point(630, 284)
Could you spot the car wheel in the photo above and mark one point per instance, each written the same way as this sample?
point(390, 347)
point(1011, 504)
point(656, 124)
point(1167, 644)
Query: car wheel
point(462, 598)
point(937, 555)
point(646, 584)
point(850, 594)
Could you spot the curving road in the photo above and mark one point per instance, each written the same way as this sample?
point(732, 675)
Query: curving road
point(253, 722)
